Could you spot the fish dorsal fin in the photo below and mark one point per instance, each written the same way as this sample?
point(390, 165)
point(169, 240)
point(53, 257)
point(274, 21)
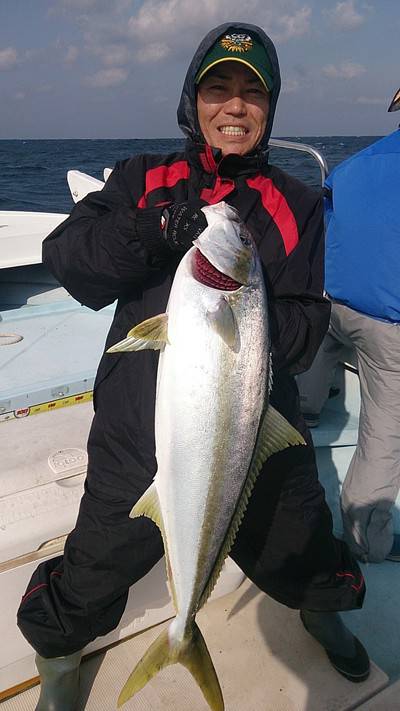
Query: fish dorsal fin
point(222, 321)
point(149, 505)
point(150, 334)
point(275, 433)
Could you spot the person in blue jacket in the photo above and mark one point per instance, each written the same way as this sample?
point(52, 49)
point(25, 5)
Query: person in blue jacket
point(362, 278)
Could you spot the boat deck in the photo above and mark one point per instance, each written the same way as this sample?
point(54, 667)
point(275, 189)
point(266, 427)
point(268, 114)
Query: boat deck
point(264, 659)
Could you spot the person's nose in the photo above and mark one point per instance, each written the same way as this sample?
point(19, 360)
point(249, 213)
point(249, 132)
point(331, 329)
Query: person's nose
point(236, 106)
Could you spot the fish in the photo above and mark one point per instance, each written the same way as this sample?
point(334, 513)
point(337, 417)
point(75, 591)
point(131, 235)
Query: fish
point(214, 429)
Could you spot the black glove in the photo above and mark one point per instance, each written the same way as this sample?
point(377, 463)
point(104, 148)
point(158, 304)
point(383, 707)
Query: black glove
point(183, 222)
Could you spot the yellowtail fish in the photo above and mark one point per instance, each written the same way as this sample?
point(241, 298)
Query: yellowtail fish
point(214, 429)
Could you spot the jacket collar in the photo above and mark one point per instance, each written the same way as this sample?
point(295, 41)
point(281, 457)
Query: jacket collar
point(231, 166)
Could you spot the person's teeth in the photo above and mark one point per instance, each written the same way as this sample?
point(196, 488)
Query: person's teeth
point(233, 130)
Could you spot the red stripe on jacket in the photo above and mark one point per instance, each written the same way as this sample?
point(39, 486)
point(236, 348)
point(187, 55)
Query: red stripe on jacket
point(165, 176)
point(276, 205)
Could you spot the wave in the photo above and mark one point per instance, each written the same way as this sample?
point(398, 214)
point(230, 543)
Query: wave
point(28, 168)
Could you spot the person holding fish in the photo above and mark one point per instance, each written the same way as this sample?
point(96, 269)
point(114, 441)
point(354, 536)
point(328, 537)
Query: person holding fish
point(198, 448)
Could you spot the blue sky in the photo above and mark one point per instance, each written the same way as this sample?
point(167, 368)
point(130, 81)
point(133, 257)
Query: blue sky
point(114, 68)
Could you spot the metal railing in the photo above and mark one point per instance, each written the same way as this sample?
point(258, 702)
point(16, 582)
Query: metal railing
point(305, 148)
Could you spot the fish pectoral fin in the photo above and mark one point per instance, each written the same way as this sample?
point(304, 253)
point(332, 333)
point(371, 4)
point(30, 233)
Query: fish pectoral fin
point(222, 321)
point(192, 652)
point(150, 334)
point(275, 434)
point(149, 505)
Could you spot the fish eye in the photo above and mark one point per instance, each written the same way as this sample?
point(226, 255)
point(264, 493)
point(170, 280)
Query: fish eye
point(246, 241)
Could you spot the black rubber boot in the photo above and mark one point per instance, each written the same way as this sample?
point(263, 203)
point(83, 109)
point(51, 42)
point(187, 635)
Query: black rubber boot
point(59, 682)
point(345, 652)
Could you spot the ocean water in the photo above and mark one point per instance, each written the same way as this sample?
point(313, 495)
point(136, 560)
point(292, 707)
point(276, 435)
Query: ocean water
point(33, 172)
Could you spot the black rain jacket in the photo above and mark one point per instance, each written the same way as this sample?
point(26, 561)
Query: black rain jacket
point(110, 248)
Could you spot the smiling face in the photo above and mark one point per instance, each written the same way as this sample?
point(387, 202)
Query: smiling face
point(232, 108)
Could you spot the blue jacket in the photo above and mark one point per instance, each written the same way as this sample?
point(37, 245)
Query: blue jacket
point(363, 230)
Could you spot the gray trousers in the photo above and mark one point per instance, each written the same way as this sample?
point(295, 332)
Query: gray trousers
point(373, 478)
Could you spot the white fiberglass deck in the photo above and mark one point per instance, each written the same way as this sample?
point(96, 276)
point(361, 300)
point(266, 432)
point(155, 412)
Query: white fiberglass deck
point(59, 348)
point(264, 659)
point(22, 234)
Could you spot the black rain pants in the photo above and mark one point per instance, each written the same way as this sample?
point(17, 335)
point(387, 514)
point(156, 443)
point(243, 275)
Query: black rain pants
point(285, 546)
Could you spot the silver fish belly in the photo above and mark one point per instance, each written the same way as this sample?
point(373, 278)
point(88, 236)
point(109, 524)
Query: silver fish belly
point(210, 398)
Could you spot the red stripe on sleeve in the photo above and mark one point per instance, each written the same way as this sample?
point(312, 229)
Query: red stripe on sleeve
point(165, 176)
point(276, 205)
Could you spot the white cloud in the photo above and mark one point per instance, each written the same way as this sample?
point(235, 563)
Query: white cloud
point(345, 16)
point(107, 77)
point(290, 86)
point(295, 25)
point(37, 54)
point(176, 24)
point(71, 54)
point(344, 70)
point(8, 58)
point(173, 22)
point(85, 5)
point(370, 101)
point(153, 30)
point(44, 88)
point(114, 55)
point(153, 52)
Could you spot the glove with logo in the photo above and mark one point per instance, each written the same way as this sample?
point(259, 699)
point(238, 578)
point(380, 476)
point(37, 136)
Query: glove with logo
point(181, 223)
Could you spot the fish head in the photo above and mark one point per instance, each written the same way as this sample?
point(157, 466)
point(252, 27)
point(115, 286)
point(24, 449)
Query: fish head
point(227, 244)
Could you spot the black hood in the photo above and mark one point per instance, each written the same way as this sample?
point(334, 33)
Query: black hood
point(187, 111)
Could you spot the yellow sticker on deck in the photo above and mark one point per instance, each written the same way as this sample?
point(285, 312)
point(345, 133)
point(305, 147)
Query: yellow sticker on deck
point(47, 406)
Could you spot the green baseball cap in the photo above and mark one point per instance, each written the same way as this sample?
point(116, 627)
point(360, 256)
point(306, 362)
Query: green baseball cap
point(239, 47)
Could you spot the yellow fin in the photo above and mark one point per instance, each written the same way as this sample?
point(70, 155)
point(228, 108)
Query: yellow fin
point(150, 334)
point(222, 321)
point(196, 658)
point(275, 433)
point(192, 652)
point(155, 659)
point(149, 505)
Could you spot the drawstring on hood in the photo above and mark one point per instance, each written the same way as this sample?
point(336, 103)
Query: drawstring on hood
point(187, 109)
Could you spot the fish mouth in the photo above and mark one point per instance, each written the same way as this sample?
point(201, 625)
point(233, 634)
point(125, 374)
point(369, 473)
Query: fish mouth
point(205, 273)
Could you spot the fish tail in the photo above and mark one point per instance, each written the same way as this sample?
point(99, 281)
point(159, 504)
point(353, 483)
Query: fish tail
point(192, 652)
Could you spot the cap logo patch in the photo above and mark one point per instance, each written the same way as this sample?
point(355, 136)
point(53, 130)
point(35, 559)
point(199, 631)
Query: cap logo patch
point(237, 43)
